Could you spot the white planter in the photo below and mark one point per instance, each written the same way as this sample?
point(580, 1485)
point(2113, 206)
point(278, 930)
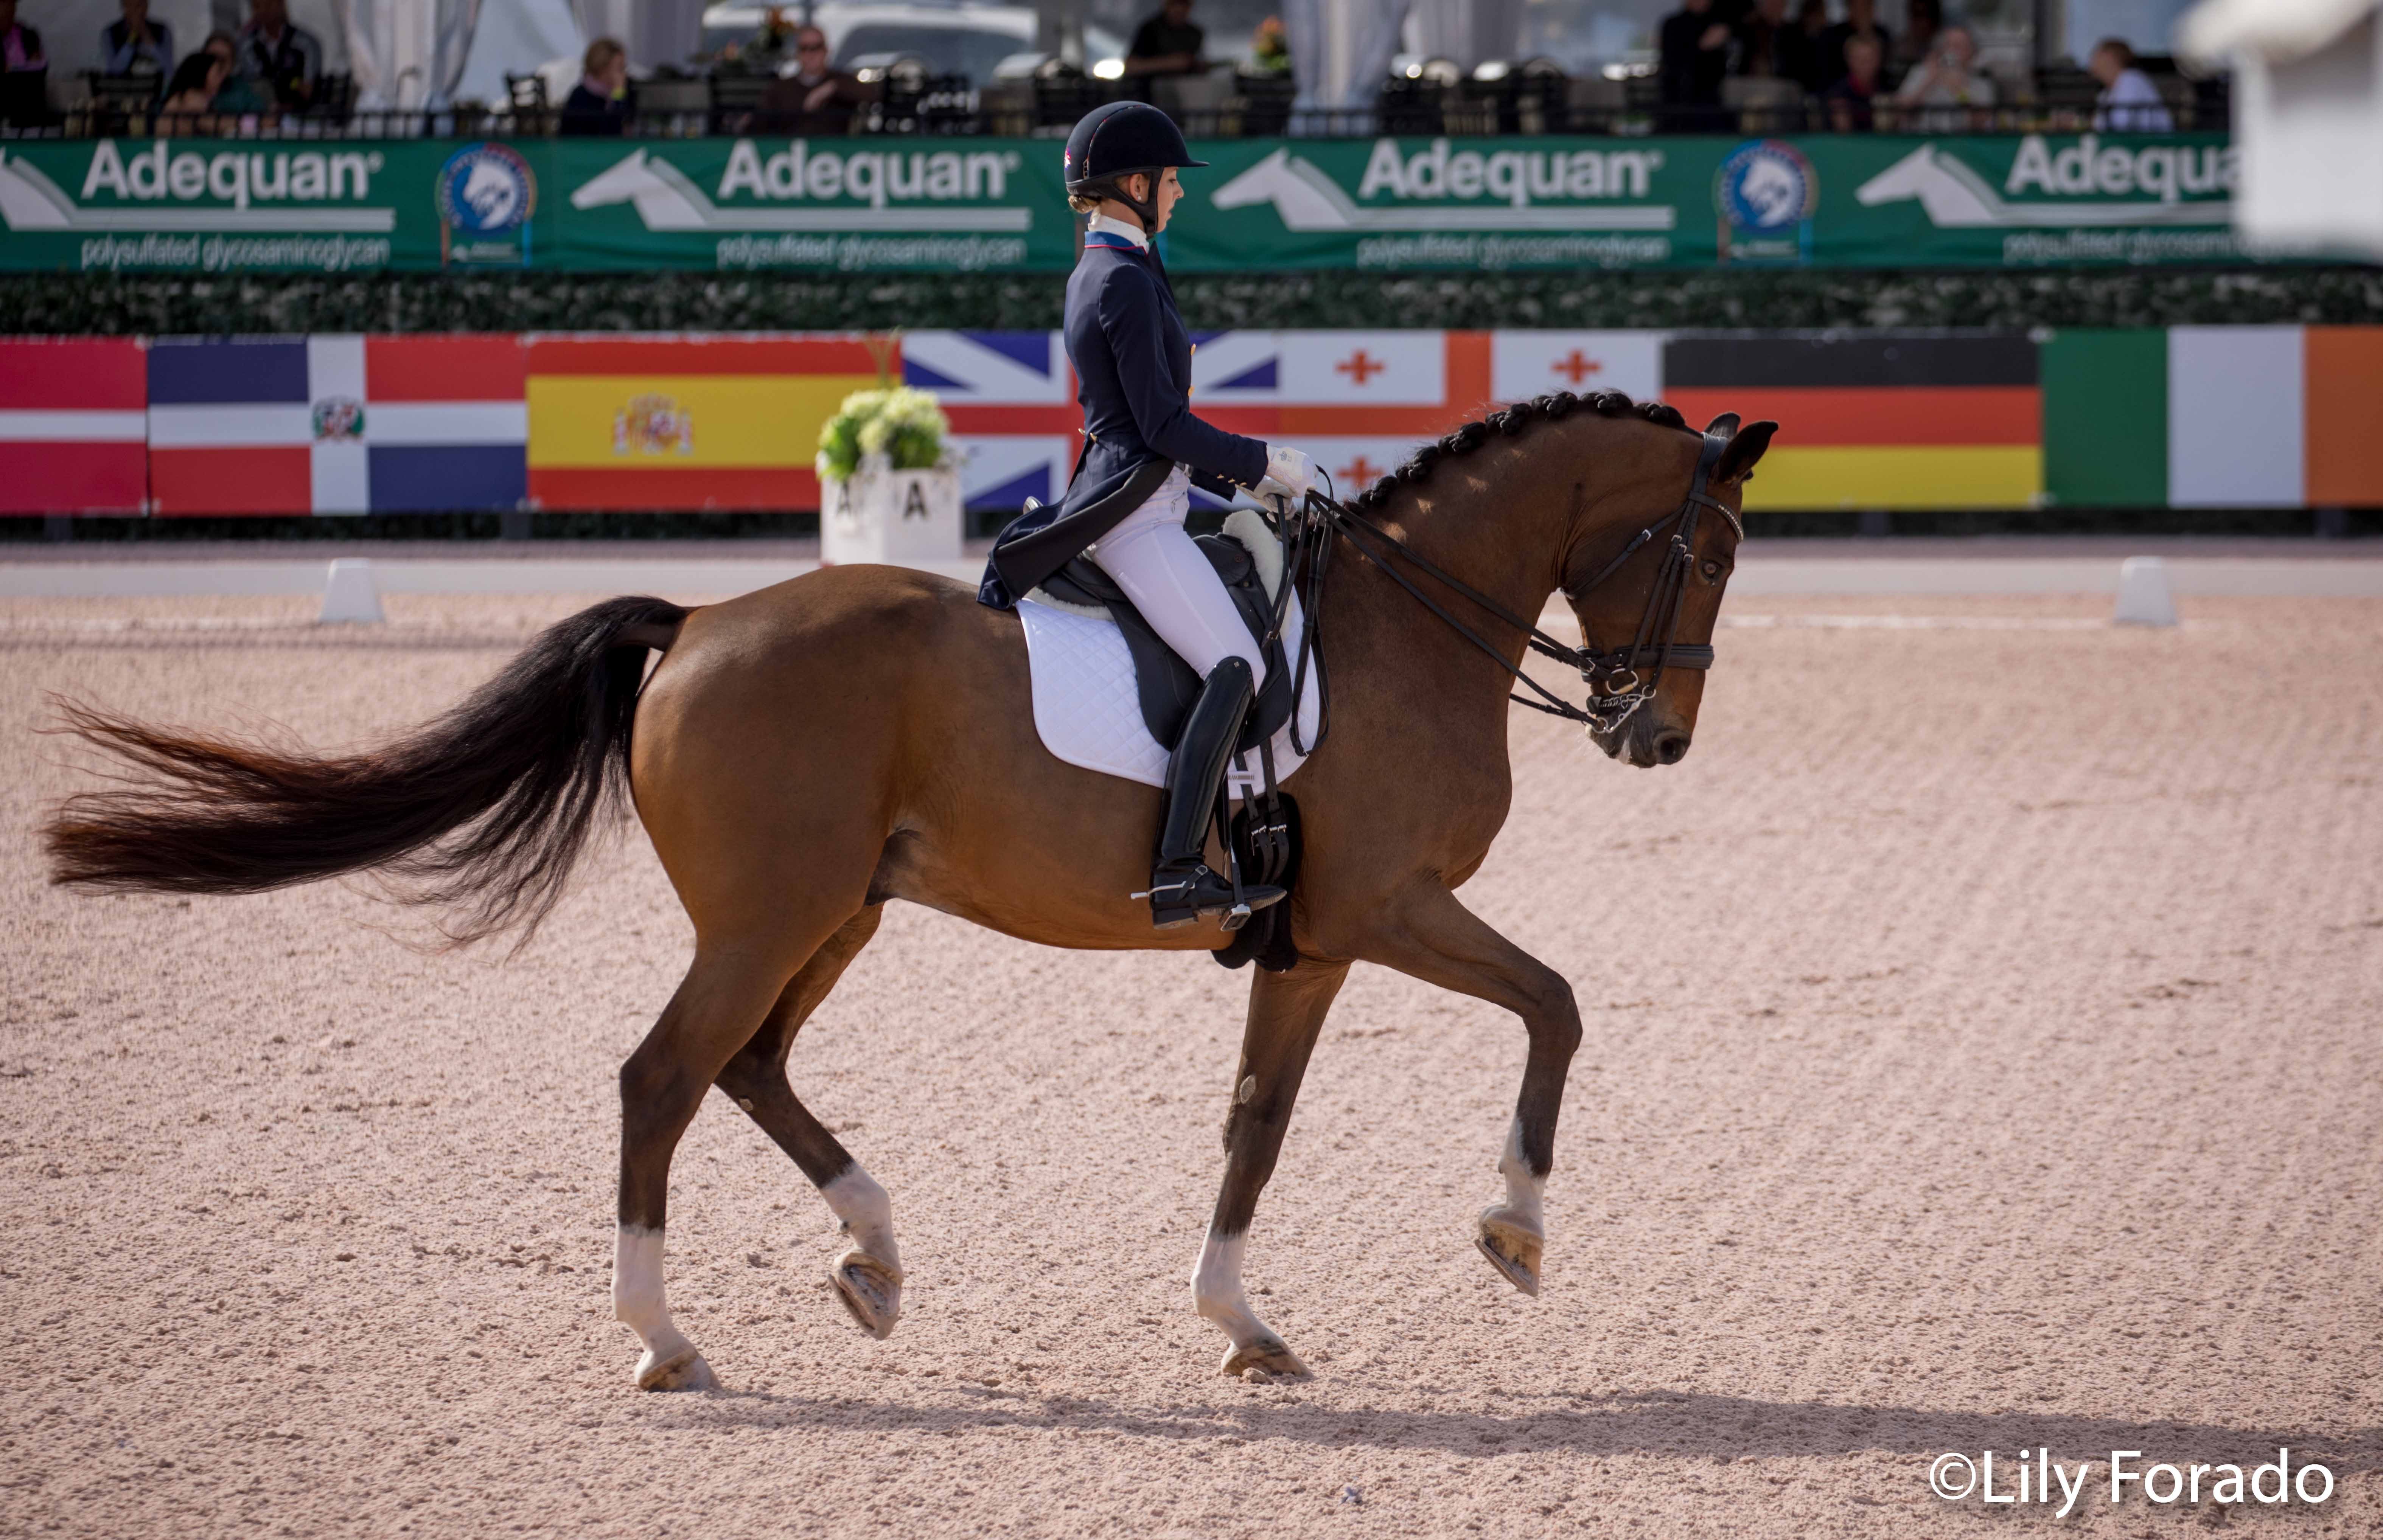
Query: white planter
point(887, 515)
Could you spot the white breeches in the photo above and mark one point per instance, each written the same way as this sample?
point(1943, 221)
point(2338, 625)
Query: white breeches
point(1162, 571)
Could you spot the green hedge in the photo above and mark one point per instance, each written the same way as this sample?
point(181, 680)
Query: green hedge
point(105, 305)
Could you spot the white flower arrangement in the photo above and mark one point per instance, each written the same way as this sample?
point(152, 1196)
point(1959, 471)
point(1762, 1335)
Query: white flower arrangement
point(908, 427)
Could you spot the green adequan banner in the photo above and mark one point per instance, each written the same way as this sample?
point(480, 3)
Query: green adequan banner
point(967, 206)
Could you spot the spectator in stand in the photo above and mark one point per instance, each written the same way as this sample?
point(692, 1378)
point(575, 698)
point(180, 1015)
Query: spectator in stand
point(188, 107)
point(2130, 103)
point(811, 98)
point(1270, 48)
point(237, 96)
point(134, 44)
point(1167, 43)
point(1852, 100)
point(1861, 22)
point(1765, 41)
point(1800, 48)
point(283, 58)
point(1922, 20)
point(597, 107)
point(24, 71)
point(1694, 45)
point(1946, 93)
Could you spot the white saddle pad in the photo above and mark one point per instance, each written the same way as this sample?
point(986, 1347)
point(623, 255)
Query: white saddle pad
point(1088, 712)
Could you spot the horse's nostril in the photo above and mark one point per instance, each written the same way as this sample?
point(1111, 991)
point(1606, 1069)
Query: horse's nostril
point(1672, 747)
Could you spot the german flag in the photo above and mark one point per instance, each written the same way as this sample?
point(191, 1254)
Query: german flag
point(689, 423)
point(1881, 420)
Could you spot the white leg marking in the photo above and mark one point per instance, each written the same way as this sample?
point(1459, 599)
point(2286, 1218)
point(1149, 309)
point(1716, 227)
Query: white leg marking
point(1217, 1288)
point(637, 1292)
point(1525, 1194)
point(866, 1214)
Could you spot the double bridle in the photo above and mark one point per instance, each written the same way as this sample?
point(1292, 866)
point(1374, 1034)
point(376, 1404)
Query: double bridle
point(1616, 671)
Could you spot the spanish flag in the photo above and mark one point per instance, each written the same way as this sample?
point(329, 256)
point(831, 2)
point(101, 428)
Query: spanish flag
point(689, 423)
point(1878, 420)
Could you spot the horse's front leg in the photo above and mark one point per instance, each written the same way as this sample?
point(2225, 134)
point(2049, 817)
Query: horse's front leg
point(1432, 937)
point(1287, 1010)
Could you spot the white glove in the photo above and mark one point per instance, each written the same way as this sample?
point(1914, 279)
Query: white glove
point(1289, 474)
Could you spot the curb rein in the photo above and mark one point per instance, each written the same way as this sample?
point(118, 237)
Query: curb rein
point(1310, 540)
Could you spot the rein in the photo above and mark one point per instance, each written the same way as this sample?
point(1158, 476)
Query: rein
point(1616, 671)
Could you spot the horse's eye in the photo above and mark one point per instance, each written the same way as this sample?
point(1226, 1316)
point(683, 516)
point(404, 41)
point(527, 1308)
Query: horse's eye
point(1712, 571)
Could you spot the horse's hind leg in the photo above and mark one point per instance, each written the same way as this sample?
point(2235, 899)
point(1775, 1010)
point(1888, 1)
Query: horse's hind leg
point(726, 993)
point(1287, 1010)
point(868, 1276)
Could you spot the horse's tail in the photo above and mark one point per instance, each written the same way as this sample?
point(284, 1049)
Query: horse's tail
point(484, 809)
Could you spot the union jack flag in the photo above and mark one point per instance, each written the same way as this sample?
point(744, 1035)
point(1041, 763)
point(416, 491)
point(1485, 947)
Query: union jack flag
point(1359, 402)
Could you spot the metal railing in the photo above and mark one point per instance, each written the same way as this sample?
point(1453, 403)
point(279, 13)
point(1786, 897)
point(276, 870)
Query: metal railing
point(2055, 102)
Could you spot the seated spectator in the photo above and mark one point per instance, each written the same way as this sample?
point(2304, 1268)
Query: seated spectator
point(1167, 43)
point(1946, 93)
point(1270, 48)
point(283, 59)
point(1799, 46)
point(1694, 57)
point(1922, 20)
point(597, 107)
point(237, 96)
point(1861, 22)
point(2130, 103)
point(1851, 100)
point(134, 44)
point(24, 71)
point(811, 98)
point(188, 107)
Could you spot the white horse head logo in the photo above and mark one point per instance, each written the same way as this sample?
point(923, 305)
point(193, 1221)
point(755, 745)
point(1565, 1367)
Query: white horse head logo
point(1953, 196)
point(662, 196)
point(1304, 198)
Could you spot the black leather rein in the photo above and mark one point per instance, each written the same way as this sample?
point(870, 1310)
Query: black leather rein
point(1615, 671)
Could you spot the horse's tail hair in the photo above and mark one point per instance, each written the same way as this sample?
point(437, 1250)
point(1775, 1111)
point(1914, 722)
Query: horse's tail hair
point(482, 810)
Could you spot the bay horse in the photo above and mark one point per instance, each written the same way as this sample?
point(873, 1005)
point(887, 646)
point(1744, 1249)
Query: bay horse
point(802, 755)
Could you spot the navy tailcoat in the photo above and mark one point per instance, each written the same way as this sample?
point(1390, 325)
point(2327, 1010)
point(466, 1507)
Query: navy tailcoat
point(1133, 375)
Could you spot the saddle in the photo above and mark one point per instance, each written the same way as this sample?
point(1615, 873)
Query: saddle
point(1164, 682)
point(1263, 837)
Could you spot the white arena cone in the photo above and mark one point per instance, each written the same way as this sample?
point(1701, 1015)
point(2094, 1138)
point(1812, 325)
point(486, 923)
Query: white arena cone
point(351, 595)
point(2143, 596)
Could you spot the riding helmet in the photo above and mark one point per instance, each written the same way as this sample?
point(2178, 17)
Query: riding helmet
point(1112, 142)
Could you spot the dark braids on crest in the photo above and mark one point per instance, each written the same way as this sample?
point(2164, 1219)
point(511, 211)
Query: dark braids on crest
point(1513, 420)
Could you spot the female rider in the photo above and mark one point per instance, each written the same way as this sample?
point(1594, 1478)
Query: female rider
point(1144, 448)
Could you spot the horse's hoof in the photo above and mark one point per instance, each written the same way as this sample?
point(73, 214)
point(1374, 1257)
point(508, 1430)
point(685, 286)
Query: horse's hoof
point(683, 1370)
point(1512, 1250)
point(870, 1288)
point(1268, 1357)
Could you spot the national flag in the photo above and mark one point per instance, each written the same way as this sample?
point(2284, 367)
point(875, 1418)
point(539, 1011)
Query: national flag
point(1359, 402)
point(73, 425)
point(335, 423)
point(1875, 420)
point(1527, 364)
point(1011, 400)
point(446, 421)
point(688, 422)
point(2214, 418)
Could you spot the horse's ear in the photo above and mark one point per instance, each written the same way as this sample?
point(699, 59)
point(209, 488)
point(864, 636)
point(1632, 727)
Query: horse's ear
point(1737, 460)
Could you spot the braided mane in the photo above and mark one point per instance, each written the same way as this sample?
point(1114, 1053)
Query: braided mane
point(1511, 420)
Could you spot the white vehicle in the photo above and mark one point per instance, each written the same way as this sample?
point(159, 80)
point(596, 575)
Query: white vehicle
point(975, 41)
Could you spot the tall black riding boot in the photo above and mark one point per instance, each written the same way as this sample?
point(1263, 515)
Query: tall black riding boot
point(1181, 886)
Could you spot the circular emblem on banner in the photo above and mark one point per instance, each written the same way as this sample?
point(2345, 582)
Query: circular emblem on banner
point(338, 417)
point(1766, 184)
point(485, 189)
